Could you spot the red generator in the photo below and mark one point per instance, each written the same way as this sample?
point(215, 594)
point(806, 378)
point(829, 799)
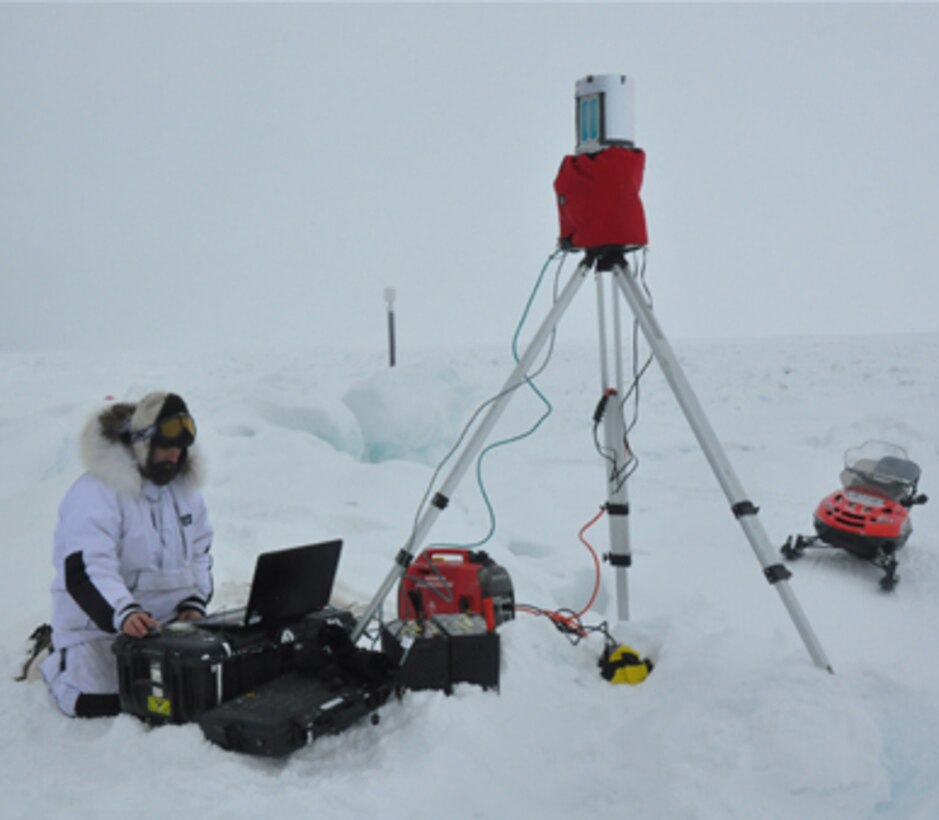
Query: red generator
point(443, 581)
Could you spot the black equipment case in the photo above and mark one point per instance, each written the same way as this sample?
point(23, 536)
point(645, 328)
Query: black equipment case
point(289, 712)
point(182, 672)
point(334, 685)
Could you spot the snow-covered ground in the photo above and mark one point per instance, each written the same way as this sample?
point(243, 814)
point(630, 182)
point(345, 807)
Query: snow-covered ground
point(734, 722)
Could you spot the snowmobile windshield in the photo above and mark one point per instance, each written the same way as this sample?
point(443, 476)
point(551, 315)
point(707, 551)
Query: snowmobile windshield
point(882, 467)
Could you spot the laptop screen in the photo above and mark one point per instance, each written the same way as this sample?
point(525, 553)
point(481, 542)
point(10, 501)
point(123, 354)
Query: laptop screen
point(291, 583)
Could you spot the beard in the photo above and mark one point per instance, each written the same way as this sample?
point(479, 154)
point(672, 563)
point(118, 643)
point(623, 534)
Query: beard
point(162, 472)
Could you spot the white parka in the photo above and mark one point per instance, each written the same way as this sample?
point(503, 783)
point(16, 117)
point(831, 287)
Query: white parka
point(123, 543)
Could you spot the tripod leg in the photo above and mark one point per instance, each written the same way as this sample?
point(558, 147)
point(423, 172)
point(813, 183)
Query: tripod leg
point(473, 446)
point(615, 450)
point(742, 508)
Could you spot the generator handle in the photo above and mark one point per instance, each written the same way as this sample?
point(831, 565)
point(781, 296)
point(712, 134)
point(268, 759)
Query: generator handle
point(430, 552)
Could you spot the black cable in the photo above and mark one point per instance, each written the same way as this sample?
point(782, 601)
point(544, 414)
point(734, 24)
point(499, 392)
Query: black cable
point(569, 625)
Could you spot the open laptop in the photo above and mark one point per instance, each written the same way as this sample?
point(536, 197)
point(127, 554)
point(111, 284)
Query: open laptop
point(287, 584)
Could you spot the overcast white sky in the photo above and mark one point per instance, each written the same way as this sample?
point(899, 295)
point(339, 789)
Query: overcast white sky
point(256, 175)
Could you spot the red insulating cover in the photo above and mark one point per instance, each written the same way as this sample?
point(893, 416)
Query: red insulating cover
point(598, 199)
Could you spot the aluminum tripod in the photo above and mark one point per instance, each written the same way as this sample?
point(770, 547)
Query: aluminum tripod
point(613, 261)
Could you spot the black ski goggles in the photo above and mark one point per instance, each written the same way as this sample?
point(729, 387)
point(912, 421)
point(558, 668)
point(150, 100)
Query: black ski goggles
point(177, 431)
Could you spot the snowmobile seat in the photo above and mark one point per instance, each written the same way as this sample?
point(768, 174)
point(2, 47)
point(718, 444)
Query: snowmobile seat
point(898, 469)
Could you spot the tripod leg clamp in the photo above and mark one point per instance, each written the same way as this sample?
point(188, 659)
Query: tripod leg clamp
point(776, 573)
point(617, 509)
point(403, 558)
point(742, 508)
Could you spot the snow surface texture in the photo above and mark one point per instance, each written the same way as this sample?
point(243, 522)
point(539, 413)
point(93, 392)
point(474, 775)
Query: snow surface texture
point(734, 722)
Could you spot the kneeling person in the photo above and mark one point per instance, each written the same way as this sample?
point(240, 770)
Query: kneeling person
point(131, 549)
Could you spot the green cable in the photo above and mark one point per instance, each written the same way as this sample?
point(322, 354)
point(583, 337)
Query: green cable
point(520, 436)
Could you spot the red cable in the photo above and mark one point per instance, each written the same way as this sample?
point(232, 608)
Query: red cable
point(596, 560)
point(572, 622)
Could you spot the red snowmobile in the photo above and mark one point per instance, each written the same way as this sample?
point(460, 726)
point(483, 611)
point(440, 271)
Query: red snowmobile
point(870, 516)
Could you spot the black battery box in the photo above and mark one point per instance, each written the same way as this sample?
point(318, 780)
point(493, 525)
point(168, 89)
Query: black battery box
point(474, 649)
point(185, 670)
point(421, 651)
point(444, 650)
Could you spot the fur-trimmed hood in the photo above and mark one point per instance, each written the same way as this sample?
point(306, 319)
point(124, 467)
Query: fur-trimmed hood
point(108, 455)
